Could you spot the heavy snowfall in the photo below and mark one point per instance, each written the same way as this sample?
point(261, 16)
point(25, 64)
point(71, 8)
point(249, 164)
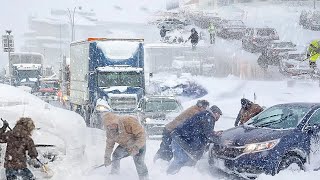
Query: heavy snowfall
point(72, 75)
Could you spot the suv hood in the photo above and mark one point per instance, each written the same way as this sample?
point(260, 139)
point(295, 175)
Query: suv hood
point(242, 135)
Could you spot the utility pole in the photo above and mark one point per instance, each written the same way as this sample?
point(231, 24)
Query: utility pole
point(314, 4)
point(71, 14)
point(8, 46)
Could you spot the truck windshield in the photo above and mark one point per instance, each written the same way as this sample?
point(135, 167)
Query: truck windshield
point(23, 74)
point(109, 79)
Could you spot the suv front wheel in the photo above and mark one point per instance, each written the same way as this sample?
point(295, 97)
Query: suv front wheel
point(292, 162)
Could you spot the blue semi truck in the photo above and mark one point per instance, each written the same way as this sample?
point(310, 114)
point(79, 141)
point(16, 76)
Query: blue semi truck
point(106, 75)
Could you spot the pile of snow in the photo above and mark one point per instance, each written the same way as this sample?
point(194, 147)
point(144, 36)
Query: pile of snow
point(55, 126)
point(118, 49)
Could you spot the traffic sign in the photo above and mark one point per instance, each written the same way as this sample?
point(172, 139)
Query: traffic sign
point(8, 43)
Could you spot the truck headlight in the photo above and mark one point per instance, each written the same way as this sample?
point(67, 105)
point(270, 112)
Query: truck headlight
point(102, 108)
point(147, 120)
point(256, 147)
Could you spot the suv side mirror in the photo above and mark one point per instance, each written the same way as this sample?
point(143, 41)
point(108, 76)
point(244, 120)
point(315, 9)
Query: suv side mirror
point(312, 129)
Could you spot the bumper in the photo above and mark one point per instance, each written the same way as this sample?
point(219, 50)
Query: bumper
point(247, 166)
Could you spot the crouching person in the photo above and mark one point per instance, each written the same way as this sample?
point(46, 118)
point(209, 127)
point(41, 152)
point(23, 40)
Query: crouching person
point(130, 135)
point(189, 140)
point(165, 150)
point(19, 142)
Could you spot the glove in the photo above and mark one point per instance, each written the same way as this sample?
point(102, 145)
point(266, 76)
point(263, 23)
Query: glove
point(107, 161)
point(35, 163)
point(218, 133)
point(134, 150)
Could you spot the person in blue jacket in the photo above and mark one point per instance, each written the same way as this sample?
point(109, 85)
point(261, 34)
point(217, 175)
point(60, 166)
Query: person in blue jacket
point(189, 140)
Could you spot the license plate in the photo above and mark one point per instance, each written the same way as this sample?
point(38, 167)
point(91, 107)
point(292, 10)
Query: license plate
point(220, 163)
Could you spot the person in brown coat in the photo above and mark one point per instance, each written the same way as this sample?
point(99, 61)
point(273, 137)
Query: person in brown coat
point(165, 150)
point(19, 142)
point(247, 111)
point(130, 135)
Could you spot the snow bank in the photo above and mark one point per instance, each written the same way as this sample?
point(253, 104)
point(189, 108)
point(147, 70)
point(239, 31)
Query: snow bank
point(56, 126)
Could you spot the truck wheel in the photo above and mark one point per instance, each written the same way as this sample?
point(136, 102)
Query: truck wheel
point(292, 162)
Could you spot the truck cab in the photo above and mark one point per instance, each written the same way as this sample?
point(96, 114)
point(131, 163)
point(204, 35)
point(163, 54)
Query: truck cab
point(106, 75)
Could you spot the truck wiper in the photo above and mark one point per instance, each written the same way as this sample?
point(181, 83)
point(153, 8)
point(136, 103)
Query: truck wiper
point(254, 122)
point(275, 121)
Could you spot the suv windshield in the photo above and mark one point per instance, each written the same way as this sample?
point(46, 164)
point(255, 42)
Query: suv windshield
point(161, 106)
point(279, 117)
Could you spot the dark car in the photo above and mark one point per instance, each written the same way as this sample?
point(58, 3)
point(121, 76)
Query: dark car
point(310, 20)
point(256, 39)
point(233, 29)
point(282, 136)
point(273, 53)
point(154, 112)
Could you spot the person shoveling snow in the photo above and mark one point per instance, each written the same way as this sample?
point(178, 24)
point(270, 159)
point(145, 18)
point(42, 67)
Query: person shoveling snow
point(19, 142)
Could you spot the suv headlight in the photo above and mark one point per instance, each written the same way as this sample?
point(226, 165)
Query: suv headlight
point(256, 147)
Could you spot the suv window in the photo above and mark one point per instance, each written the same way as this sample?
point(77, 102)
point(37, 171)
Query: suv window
point(315, 118)
point(265, 32)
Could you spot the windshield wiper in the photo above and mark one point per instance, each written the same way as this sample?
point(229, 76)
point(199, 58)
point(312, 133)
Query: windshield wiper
point(275, 121)
point(254, 122)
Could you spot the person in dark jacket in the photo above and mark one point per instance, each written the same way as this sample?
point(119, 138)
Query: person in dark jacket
point(189, 140)
point(194, 37)
point(163, 32)
point(19, 142)
point(165, 150)
point(247, 111)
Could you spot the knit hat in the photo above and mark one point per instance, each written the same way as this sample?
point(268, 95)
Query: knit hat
point(215, 109)
point(202, 103)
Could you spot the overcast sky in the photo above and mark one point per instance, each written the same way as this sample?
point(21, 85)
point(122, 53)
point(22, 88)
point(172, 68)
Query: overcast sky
point(14, 13)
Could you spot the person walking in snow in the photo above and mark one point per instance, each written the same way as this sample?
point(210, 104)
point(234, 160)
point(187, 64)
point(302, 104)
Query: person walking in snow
point(190, 139)
point(130, 136)
point(194, 37)
point(163, 33)
point(165, 150)
point(313, 53)
point(212, 32)
point(19, 143)
point(247, 111)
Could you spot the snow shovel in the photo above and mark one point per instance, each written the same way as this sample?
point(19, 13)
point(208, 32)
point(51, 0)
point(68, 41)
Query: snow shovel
point(49, 173)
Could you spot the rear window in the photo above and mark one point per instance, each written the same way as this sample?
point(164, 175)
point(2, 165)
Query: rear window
point(265, 32)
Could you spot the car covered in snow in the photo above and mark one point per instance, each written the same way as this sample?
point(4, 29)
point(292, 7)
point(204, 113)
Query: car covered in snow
point(171, 24)
point(310, 20)
point(231, 29)
point(274, 52)
point(48, 89)
point(154, 112)
point(284, 136)
point(256, 39)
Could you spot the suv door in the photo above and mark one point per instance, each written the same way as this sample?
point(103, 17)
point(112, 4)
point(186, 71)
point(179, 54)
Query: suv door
point(313, 129)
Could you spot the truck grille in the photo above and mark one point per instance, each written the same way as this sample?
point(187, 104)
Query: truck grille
point(228, 152)
point(123, 103)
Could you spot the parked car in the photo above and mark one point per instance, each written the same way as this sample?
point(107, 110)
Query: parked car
point(234, 29)
point(274, 52)
point(171, 24)
point(310, 20)
point(154, 112)
point(282, 136)
point(256, 39)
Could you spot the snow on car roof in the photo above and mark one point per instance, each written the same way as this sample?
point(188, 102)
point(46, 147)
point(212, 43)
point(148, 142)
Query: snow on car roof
point(118, 49)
